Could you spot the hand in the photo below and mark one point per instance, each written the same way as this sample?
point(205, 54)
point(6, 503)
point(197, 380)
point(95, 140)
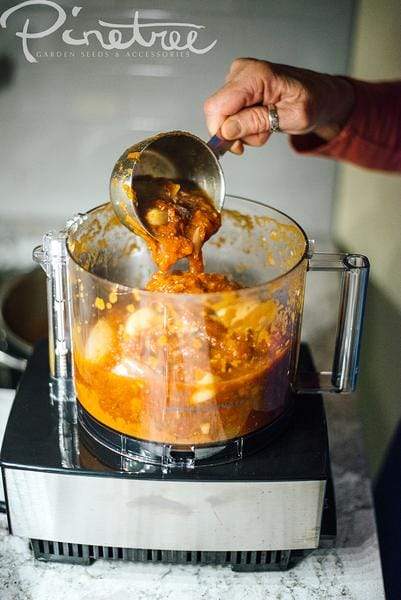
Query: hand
point(306, 102)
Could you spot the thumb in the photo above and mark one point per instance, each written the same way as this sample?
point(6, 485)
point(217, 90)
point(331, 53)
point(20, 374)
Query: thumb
point(249, 121)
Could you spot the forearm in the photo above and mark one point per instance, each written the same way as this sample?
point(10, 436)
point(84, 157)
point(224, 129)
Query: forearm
point(341, 107)
point(370, 137)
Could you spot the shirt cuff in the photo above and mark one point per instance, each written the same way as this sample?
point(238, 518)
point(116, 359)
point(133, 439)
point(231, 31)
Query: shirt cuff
point(312, 144)
point(361, 141)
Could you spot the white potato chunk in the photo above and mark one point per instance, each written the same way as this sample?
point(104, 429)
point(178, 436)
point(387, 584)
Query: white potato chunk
point(100, 341)
point(206, 379)
point(156, 217)
point(131, 368)
point(203, 394)
point(141, 320)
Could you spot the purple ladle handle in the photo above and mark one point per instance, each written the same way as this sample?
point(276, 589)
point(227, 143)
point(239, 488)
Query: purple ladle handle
point(219, 146)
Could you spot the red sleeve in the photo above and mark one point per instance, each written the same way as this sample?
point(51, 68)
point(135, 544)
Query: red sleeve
point(372, 135)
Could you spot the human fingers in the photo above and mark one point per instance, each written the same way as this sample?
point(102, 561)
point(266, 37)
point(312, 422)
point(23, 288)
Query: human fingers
point(246, 122)
point(237, 147)
point(258, 139)
point(229, 100)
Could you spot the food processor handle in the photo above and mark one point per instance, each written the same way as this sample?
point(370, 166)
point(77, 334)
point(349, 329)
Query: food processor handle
point(354, 282)
point(52, 256)
point(219, 145)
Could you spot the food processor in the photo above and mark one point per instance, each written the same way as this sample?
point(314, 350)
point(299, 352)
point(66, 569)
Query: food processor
point(184, 428)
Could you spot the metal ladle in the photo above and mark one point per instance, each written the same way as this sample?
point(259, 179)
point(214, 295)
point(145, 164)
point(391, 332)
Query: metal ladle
point(174, 155)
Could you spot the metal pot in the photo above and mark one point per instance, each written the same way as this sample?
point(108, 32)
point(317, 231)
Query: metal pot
point(23, 317)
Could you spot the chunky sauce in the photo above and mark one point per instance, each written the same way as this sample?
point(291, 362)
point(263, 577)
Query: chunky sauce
point(185, 373)
point(184, 377)
point(179, 282)
point(181, 219)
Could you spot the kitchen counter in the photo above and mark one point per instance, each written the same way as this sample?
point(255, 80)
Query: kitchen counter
point(351, 571)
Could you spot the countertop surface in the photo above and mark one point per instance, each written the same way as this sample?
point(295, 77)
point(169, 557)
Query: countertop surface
point(350, 571)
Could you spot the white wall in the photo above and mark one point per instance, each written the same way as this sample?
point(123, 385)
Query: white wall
point(63, 122)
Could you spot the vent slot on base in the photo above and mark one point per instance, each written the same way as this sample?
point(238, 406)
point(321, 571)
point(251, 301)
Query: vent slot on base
point(246, 560)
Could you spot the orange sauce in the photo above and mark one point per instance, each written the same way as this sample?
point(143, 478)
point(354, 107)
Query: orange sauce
point(182, 373)
point(179, 218)
point(181, 378)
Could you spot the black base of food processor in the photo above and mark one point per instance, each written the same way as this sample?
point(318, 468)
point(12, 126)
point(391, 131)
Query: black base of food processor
point(122, 452)
point(263, 512)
